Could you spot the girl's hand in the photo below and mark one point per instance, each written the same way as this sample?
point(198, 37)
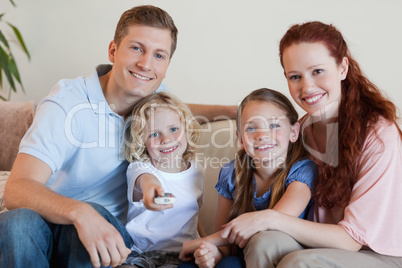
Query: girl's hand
point(207, 255)
point(151, 187)
point(242, 228)
point(150, 193)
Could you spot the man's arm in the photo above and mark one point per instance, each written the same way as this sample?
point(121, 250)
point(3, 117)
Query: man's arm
point(205, 113)
point(26, 188)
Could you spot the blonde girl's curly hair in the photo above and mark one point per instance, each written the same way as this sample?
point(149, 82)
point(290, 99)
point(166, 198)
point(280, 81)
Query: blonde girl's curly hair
point(134, 139)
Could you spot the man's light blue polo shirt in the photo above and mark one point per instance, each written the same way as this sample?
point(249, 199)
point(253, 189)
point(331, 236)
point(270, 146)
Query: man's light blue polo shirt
point(81, 139)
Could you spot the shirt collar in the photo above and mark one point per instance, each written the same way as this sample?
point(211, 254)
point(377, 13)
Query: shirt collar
point(95, 94)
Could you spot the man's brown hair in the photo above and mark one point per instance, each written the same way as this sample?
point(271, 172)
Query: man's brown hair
point(146, 15)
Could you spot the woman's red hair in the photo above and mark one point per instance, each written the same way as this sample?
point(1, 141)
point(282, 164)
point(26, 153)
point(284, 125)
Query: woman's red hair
point(360, 107)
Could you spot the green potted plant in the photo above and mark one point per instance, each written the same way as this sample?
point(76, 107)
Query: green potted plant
point(8, 66)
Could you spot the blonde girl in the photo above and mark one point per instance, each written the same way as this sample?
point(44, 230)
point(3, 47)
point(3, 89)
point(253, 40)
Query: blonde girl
point(270, 171)
point(159, 142)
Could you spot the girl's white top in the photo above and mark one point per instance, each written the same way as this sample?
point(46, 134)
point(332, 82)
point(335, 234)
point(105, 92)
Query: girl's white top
point(167, 229)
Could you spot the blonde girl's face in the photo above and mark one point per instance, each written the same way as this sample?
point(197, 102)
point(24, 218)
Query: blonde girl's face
point(314, 78)
point(266, 133)
point(165, 139)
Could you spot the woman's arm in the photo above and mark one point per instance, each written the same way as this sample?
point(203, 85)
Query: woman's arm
point(313, 234)
point(307, 233)
point(293, 203)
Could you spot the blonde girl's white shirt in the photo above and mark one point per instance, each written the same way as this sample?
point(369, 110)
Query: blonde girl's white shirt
point(167, 229)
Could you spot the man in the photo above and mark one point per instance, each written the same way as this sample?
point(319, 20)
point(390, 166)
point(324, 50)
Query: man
point(67, 187)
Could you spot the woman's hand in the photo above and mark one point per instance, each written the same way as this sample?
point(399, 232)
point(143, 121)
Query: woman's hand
point(242, 228)
point(207, 255)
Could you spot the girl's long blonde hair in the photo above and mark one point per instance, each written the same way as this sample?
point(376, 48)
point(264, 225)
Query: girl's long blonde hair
point(134, 143)
point(244, 186)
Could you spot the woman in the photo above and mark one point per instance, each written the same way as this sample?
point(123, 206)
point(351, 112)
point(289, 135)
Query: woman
point(352, 134)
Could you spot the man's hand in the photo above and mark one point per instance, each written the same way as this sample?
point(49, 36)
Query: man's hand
point(27, 188)
point(101, 239)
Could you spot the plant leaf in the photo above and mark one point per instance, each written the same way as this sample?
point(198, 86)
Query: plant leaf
point(1, 15)
point(20, 39)
point(12, 2)
point(4, 40)
point(4, 61)
point(1, 76)
point(14, 71)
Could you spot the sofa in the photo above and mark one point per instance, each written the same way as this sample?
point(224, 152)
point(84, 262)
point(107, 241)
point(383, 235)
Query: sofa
point(217, 146)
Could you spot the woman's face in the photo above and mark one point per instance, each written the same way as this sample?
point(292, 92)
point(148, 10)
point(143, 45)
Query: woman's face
point(314, 78)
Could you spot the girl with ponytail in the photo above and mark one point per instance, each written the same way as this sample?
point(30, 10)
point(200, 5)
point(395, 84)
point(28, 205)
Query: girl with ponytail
point(269, 172)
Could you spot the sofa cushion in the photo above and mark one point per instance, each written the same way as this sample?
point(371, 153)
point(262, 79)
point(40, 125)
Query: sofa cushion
point(217, 146)
point(15, 119)
point(3, 179)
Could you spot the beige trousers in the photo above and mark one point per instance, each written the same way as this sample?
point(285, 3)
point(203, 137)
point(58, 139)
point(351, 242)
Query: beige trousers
point(276, 249)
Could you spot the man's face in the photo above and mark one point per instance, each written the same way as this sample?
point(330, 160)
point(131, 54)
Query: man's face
point(140, 61)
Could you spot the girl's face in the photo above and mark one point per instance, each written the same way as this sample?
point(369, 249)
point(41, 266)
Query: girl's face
point(165, 138)
point(266, 133)
point(314, 78)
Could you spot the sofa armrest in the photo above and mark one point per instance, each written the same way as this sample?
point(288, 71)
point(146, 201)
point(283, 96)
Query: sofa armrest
point(217, 146)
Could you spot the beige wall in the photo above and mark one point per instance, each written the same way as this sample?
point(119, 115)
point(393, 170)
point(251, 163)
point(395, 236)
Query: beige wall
point(226, 48)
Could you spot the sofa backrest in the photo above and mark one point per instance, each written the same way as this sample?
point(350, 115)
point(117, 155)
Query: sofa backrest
point(15, 119)
point(218, 145)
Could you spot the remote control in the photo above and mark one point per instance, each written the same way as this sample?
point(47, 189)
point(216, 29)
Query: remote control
point(168, 198)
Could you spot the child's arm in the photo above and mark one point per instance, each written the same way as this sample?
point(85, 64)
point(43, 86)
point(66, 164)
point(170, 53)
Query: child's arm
point(293, 203)
point(189, 247)
point(295, 199)
point(150, 187)
point(200, 228)
point(215, 240)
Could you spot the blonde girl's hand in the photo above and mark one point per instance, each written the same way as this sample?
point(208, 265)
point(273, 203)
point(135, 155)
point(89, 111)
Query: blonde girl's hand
point(149, 195)
point(241, 229)
point(189, 247)
point(207, 255)
point(151, 187)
